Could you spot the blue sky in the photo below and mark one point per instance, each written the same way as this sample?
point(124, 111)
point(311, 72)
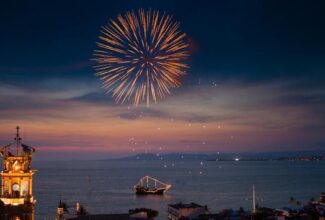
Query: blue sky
point(256, 80)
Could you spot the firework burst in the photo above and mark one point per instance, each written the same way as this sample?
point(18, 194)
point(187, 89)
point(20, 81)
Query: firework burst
point(141, 56)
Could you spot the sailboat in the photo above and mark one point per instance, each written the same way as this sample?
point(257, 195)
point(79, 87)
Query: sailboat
point(148, 185)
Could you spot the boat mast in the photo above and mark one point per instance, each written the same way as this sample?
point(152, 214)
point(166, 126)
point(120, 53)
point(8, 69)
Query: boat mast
point(147, 181)
point(254, 202)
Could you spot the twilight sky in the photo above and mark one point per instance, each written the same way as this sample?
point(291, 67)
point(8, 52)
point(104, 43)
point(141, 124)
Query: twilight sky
point(256, 81)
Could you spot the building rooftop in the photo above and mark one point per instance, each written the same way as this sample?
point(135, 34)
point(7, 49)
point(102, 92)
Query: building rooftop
point(102, 217)
point(185, 206)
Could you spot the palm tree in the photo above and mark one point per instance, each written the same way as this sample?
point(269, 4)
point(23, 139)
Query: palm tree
point(312, 200)
point(292, 200)
point(298, 203)
point(241, 210)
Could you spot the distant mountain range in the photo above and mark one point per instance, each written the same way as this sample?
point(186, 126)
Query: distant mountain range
point(299, 155)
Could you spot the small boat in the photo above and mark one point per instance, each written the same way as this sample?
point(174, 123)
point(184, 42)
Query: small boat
point(143, 187)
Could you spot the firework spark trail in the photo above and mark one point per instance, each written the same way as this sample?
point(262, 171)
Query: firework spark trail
point(141, 56)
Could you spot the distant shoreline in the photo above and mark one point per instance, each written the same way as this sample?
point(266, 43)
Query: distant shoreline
point(217, 157)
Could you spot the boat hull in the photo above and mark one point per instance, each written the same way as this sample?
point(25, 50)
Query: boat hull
point(144, 191)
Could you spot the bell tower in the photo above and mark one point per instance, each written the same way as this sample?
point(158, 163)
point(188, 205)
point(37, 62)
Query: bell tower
point(16, 200)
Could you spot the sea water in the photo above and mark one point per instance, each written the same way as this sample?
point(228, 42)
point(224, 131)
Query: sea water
point(107, 186)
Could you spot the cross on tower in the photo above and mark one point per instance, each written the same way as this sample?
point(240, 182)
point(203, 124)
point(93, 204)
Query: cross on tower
point(17, 139)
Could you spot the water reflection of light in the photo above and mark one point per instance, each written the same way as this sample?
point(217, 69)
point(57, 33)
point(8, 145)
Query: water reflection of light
point(155, 198)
